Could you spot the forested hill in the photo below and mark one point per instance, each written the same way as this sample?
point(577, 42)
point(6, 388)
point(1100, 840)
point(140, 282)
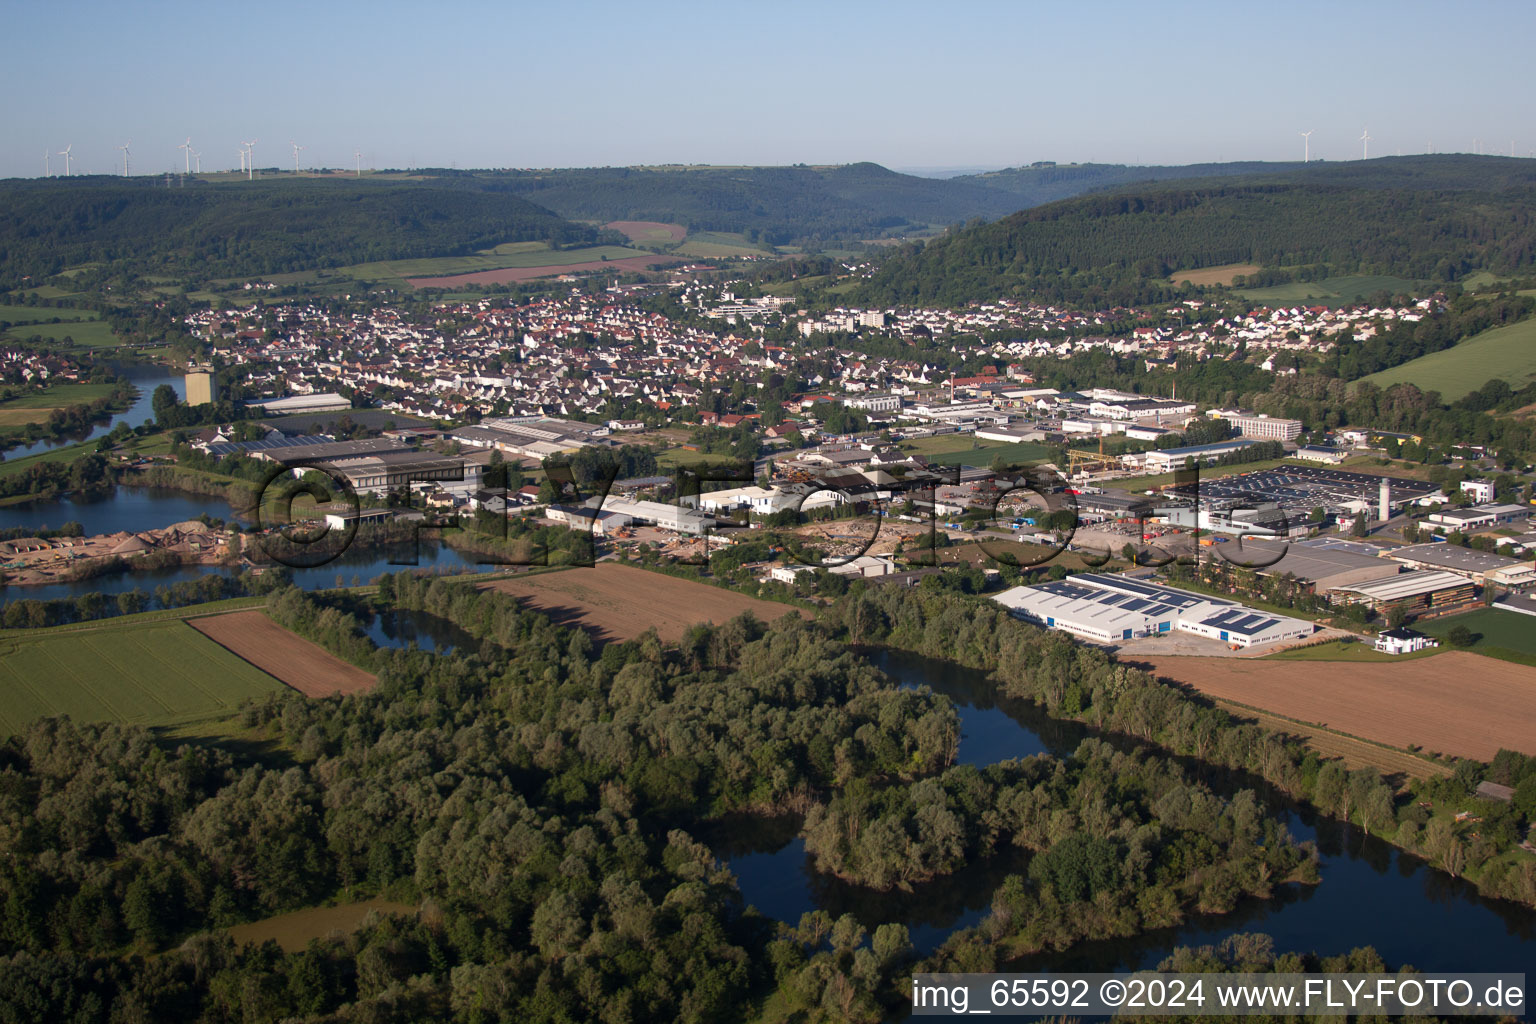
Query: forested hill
point(778, 205)
point(257, 227)
point(1043, 183)
point(1435, 218)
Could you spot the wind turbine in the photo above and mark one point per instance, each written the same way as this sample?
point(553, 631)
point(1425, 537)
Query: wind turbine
point(1306, 146)
point(199, 158)
point(296, 148)
point(1365, 144)
point(47, 163)
point(358, 156)
point(65, 154)
point(250, 159)
point(124, 148)
point(186, 148)
point(242, 159)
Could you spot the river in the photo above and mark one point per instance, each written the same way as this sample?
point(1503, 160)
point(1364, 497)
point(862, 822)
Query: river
point(1371, 894)
point(146, 379)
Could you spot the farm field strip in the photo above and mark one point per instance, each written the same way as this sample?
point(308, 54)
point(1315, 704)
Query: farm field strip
point(640, 261)
point(305, 666)
point(522, 259)
point(1455, 703)
point(1222, 275)
point(619, 602)
point(648, 230)
point(146, 673)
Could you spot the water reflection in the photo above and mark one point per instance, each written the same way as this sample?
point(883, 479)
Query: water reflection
point(1371, 894)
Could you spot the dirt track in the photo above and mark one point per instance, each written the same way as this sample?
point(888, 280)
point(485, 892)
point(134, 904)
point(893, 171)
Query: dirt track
point(619, 602)
point(1454, 703)
point(307, 667)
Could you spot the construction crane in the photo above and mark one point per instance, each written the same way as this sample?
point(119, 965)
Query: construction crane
point(1084, 462)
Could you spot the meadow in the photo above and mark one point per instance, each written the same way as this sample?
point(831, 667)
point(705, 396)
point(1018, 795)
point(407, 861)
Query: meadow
point(1023, 451)
point(1508, 353)
point(18, 315)
point(143, 673)
point(1500, 633)
point(717, 245)
point(1330, 291)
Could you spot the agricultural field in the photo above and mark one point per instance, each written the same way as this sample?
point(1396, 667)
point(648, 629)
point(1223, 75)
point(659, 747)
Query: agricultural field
point(17, 315)
point(648, 231)
point(1496, 630)
point(1221, 275)
point(145, 673)
point(34, 406)
point(1454, 703)
point(86, 331)
point(619, 602)
point(718, 245)
point(305, 666)
point(513, 256)
point(1355, 753)
point(1508, 353)
point(1330, 291)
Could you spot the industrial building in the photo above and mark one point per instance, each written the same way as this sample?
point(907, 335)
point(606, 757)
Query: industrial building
point(1477, 566)
point(1173, 458)
point(390, 471)
point(1264, 428)
point(1482, 517)
point(1110, 608)
point(327, 402)
point(1322, 567)
point(1417, 592)
point(534, 436)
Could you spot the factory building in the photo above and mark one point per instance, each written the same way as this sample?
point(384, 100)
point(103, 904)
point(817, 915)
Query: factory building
point(1417, 592)
point(1477, 566)
point(1322, 567)
point(1110, 608)
point(1482, 517)
point(1173, 458)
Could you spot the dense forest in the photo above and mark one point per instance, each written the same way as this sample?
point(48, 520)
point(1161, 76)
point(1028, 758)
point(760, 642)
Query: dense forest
point(545, 806)
point(259, 227)
point(1118, 247)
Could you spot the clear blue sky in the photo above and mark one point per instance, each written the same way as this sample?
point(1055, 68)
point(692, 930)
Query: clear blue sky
point(926, 84)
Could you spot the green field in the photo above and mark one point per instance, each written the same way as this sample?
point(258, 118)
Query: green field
point(59, 396)
point(1330, 291)
point(1339, 650)
point(1501, 634)
point(143, 673)
point(1508, 353)
point(717, 245)
point(1023, 451)
point(81, 334)
point(37, 314)
point(516, 255)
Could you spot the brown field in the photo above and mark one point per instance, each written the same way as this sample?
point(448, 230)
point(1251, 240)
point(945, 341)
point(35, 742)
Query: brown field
point(511, 275)
point(293, 931)
point(619, 602)
point(1455, 703)
point(1214, 275)
point(307, 667)
point(648, 230)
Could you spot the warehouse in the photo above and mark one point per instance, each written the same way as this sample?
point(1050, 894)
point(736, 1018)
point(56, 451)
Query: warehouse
point(1477, 566)
point(390, 471)
point(1173, 458)
point(1481, 517)
point(1321, 568)
point(1416, 592)
point(1111, 608)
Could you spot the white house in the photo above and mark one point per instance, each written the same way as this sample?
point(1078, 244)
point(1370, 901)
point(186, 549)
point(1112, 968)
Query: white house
point(1403, 641)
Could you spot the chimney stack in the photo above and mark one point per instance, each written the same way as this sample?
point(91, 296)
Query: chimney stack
point(1386, 500)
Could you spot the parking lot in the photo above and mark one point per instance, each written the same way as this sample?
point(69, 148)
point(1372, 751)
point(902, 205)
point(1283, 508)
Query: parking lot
point(1299, 489)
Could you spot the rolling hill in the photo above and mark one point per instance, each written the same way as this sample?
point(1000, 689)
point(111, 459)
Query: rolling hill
point(1434, 218)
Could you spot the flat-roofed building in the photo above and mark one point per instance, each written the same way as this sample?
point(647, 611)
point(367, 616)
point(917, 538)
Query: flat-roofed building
point(393, 470)
point(1173, 458)
point(327, 402)
point(1111, 608)
point(1265, 428)
point(1480, 518)
point(1477, 566)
